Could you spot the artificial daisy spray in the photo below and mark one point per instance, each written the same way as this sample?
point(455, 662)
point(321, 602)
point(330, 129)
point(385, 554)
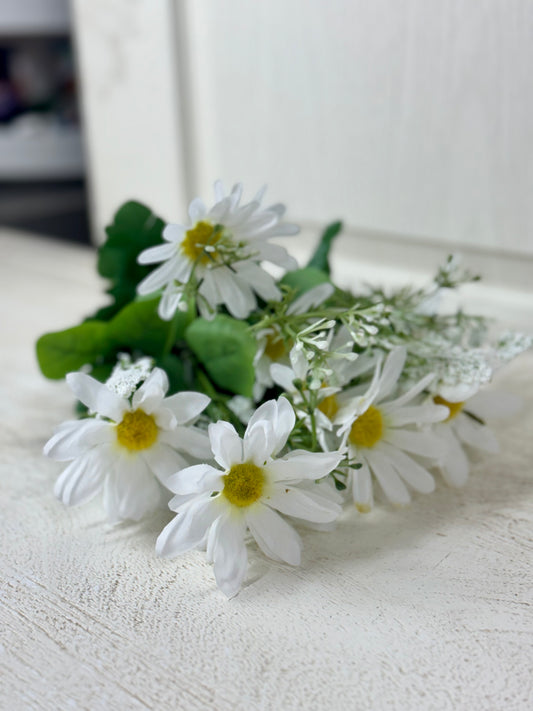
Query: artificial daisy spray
point(250, 404)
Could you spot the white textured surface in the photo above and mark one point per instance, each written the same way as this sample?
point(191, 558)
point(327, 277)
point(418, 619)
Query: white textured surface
point(427, 607)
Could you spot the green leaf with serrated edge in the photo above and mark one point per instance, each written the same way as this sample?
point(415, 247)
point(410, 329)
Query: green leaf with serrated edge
point(320, 258)
point(301, 280)
point(134, 229)
point(225, 347)
point(64, 351)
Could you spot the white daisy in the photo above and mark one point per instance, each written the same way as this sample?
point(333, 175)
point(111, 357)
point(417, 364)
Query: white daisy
point(129, 448)
point(220, 250)
point(465, 426)
point(217, 507)
point(383, 433)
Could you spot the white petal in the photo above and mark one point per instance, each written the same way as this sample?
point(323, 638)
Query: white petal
point(393, 487)
point(426, 444)
point(97, 396)
point(229, 554)
point(454, 465)
point(362, 488)
point(75, 437)
point(131, 490)
point(83, 478)
point(163, 461)
point(276, 538)
point(160, 276)
point(277, 254)
point(416, 414)
point(186, 406)
point(283, 376)
point(236, 294)
point(197, 479)
point(259, 280)
point(190, 440)
point(149, 396)
point(188, 528)
point(197, 211)
point(410, 471)
point(311, 298)
point(226, 444)
point(303, 504)
point(476, 435)
point(412, 392)
point(280, 414)
point(174, 233)
point(159, 253)
point(300, 464)
point(392, 370)
point(258, 443)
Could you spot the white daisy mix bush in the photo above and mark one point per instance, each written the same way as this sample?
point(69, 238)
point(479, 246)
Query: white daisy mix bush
point(251, 405)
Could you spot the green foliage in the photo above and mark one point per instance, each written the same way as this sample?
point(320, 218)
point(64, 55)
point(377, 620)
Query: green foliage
point(136, 327)
point(320, 258)
point(225, 347)
point(134, 228)
point(301, 280)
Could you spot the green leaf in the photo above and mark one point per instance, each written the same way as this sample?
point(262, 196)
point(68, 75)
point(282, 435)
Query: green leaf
point(178, 377)
point(226, 349)
point(301, 280)
point(320, 258)
point(62, 352)
point(134, 228)
point(138, 326)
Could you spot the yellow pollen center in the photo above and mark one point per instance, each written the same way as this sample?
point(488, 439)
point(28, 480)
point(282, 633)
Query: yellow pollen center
point(367, 430)
point(243, 484)
point(274, 347)
point(329, 406)
point(454, 407)
point(137, 431)
point(196, 240)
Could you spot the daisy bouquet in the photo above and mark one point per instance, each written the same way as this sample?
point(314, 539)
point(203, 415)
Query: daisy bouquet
point(250, 404)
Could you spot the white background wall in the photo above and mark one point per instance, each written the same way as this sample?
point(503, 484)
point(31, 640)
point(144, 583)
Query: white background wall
point(410, 119)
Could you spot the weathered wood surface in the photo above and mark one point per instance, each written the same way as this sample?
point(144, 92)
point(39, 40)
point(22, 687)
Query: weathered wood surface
point(427, 607)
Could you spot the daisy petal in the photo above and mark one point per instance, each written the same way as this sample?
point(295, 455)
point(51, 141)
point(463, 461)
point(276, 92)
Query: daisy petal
point(416, 414)
point(454, 465)
point(152, 391)
point(189, 440)
point(476, 435)
point(303, 504)
point(164, 461)
point(195, 480)
point(300, 464)
point(226, 444)
point(131, 491)
point(274, 535)
point(160, 253)
point(258, 443)
point(426, 444)
point(410, 471)
point(82, 479)
point(75, 437)
point(229, 554)
point(393, 487)
point(362, 488)
point(188, 528)
point(186, 406)
point(96, 396)
point(391, 371)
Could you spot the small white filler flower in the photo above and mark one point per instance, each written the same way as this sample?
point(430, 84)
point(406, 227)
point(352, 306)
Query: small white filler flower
point(129, 448)
point(382, 434)
point(220, 249)
point(216, 507)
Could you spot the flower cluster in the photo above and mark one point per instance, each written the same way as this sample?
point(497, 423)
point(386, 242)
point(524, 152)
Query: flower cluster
point(249, 405)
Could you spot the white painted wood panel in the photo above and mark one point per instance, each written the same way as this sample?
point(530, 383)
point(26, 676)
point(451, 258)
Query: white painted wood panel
point(130, 92)
point(409, 117)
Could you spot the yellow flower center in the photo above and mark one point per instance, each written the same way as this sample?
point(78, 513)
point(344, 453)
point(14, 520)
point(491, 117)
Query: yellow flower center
point(137, 431)
point(275, 346)
point(454, 407)
point(197, 239)
point(329, 406)
point(243, 484)
point(367, 430)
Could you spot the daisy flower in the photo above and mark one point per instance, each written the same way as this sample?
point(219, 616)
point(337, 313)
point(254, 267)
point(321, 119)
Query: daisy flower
point(383, 434)
point(217, 507)
point(465, 426)
point(219, 251)
point(130, 448)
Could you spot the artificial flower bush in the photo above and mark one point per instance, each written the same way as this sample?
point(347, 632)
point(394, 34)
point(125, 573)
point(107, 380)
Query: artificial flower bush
point(250, 404)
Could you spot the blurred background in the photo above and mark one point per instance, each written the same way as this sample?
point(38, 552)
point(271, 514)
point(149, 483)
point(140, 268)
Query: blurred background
point(412, 120)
